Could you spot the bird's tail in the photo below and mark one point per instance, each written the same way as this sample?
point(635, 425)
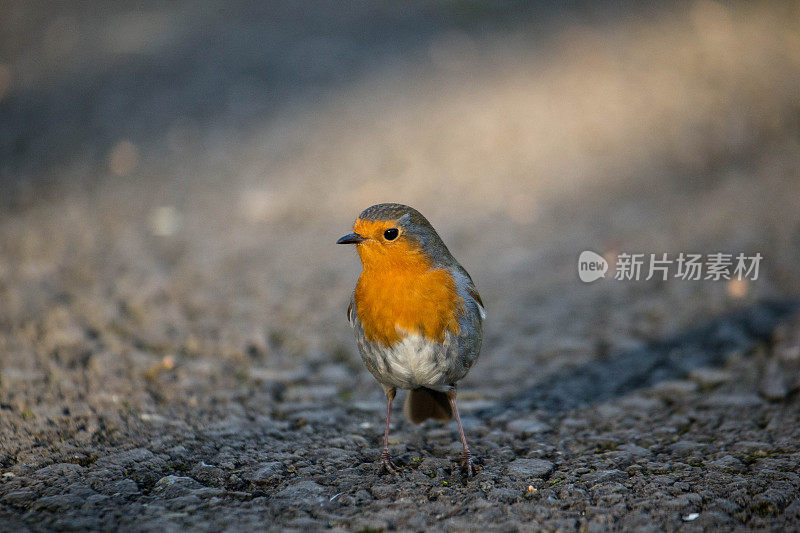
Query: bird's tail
point(422, 404)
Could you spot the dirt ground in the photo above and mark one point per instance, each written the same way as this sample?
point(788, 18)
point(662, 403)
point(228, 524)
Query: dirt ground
point(174, 352)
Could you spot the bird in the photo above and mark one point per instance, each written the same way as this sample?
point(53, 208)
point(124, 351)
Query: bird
point(416, 315)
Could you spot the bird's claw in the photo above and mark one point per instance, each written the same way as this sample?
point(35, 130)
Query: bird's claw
point(388, 465)
point(466, 465)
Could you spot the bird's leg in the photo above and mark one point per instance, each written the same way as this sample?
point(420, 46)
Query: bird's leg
point(386, 461)
point(466, 457)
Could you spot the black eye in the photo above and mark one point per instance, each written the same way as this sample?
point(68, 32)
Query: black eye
point(390, 234)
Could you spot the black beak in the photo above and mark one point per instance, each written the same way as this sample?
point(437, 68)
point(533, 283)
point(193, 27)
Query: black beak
point(351, 238)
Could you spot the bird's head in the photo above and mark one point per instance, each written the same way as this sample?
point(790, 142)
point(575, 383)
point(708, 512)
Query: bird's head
point(396, 234)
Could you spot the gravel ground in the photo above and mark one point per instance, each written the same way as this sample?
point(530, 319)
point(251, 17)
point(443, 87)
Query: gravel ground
point(174, 351)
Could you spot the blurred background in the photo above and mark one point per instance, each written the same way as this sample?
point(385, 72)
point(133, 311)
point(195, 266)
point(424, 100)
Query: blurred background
point(173, 177)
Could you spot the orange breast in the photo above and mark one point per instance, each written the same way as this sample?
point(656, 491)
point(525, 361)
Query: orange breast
point(399, 294)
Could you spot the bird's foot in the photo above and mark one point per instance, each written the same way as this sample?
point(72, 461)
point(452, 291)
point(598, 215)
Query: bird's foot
point(466, 465)
point(388, 465)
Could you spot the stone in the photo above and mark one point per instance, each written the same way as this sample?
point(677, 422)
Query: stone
point(383, 490)
point(303, 490)
point(774, 386)
point(528, 427)
point(684, 448)
point(728, 464)
point(266, 472)
point(605, 476)
point(175, 486)
point(531, 468)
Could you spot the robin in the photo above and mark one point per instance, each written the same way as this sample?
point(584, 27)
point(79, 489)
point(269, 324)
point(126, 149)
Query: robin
point(416, 315)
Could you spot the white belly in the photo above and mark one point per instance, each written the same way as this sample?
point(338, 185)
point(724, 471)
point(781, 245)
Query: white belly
point(415, 362)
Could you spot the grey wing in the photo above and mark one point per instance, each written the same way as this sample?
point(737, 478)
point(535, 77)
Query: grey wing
point(370, 353)
point(363, 345)
point(351, 310)
point(467, 291)
point(470, 333)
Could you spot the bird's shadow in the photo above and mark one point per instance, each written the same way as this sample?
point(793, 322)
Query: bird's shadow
point(674, 357)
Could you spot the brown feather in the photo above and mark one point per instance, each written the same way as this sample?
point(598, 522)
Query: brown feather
point(422, 404)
